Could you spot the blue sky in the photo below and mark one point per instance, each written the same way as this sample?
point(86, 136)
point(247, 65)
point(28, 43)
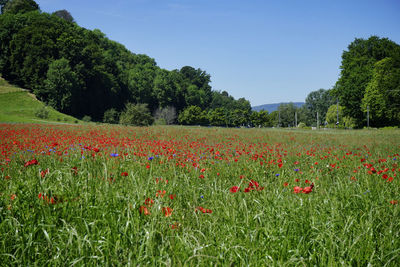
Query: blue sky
point(265, 51)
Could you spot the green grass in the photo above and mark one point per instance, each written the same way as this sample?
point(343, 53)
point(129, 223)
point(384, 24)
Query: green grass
point(97, 220)
point(18, 105)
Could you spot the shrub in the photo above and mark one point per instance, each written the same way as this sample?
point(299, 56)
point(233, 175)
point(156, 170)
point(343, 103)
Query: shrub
point(167, 114)
point(42, 113)
point(111, 116)
point(160, 122)
point(136, 115)
point(301, 125)
point(87, 118)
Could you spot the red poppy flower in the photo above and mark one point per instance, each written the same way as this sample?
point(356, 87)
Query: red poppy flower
point(160, 193)
point(149, 202)
point(393, 202)
point(297, 189)
point(307, 190)
point(285, 184)
point(124, 174)
point(144, 210)
point(234, 189)
point(167, 211)
point(31, 162)
point(174, 226)
point(43, 173)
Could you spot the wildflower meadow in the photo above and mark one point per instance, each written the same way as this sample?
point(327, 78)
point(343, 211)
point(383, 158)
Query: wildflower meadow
point(188, 196)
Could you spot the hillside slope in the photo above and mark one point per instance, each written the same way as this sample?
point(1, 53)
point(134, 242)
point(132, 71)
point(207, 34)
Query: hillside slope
point(18, 105)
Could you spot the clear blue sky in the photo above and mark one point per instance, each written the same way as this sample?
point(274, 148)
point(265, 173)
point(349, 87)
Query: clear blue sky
point(265, 51)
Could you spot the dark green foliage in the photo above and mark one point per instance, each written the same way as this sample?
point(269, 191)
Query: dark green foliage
point(111, 116)
point(86, 118)
point(287, 115)
point(64, 14)
point(196, 87)
point(218, 117)
point(19, 6)
point(81, 72)
point(42, 113)
point(357, 70)
point(193, 115)
point(61, 86)
point(136, 115)
point(240, 117)
point(2, 4)
point(382, 95)
point(318, 102)
point(306, 116)
point(260, 119)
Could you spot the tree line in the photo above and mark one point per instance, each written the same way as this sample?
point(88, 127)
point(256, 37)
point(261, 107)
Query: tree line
point(368, 89)
point(82, 73)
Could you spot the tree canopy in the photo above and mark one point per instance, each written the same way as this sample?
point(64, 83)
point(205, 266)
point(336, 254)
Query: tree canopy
point(81, 72)
point(358, 71)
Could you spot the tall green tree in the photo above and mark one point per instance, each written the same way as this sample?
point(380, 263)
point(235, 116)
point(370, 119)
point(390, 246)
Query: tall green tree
point(287, 114)
point(319, 101)
point(19, 6)
point(136, 115)
point(140, 84)
point(382, 95)
point(193, 115)
point(358, 63)
point(2, 4)
point(260, 119)
point(61, 86)
point(197, 88)
point(217, 117)
point(64, 14)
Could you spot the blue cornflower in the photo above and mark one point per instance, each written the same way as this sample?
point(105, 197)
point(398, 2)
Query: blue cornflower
point(114, 155)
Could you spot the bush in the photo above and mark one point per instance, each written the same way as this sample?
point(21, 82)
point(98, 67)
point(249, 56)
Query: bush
point(136, 115)
point(301, 125)
point(193, 115)
point(111, 116)
point(160, 122)
point(42, 113)
point(167, 114)
point(390, 128)
point(87, 118)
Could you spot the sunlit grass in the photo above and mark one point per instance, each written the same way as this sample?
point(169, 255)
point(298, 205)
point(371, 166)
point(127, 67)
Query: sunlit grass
point(346, 220)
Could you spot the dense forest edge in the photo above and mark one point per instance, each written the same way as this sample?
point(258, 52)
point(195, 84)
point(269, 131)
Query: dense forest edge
point(84, 74)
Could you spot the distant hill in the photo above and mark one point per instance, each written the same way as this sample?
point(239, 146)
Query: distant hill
point(272, 107)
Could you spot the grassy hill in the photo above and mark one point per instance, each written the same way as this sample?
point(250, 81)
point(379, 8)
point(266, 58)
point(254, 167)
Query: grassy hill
point(18, 105)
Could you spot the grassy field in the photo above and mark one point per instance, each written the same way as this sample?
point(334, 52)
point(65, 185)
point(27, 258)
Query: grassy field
point(184, 196)
point(18, 105)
